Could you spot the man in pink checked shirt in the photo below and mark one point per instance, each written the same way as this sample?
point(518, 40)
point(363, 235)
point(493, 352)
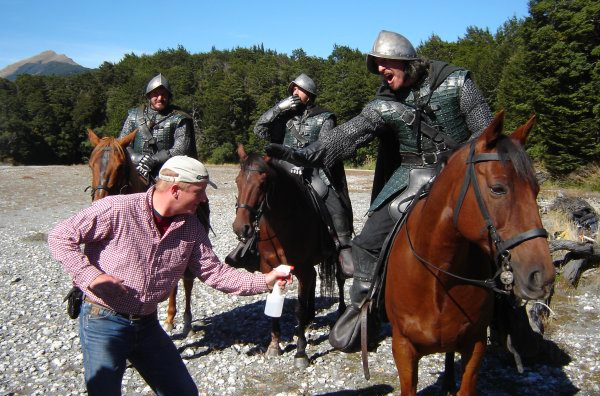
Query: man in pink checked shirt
point(137, 247)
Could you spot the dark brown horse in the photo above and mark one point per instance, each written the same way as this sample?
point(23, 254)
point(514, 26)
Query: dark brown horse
point(478, 226)
point(276, 204)
point(114, 173)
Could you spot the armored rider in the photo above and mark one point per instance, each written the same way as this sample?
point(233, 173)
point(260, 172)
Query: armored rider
point(295, 122)
point(422, 109)
point(164, 130)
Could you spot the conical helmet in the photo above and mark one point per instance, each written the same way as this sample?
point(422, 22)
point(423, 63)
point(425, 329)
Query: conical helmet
point(304, 82)
point(158, 81)
point(390, 45)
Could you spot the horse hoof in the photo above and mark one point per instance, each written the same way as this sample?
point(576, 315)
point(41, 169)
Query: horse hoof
point(273, 352)
point(188, 331)
point(168, 327)
point(301, 362)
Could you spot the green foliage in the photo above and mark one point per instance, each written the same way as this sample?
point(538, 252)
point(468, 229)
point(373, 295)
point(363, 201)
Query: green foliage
point(547, 63)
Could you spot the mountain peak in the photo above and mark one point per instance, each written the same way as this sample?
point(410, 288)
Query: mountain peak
point(45, 63)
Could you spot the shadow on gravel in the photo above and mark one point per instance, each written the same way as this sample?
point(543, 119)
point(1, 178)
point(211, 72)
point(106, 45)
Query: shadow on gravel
point(248, 325)
point(374, 390)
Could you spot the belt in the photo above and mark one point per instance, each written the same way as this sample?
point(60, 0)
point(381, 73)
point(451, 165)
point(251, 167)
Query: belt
point(422, 159)
point(131, 317)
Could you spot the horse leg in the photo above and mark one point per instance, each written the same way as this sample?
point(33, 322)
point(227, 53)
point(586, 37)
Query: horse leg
point(305, 312)
point(188, 284)
point(274, 349)
point(471, 359)
point(448, 384)
point(407, 364)
point(171, 309)
point(340, 284)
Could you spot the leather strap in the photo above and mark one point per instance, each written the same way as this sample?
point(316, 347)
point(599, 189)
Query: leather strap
point(363, 340)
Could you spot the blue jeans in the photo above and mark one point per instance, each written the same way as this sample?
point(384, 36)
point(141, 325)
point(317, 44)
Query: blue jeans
point(108, 340)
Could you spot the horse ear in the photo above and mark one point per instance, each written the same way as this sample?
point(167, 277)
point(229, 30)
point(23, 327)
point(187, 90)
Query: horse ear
point(241, 152)
point(494, 130)
point(93, 138)
point(124, 142)
point(521, 133)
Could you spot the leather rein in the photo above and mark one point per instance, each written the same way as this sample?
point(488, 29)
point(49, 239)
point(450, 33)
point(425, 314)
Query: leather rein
point(502, 258)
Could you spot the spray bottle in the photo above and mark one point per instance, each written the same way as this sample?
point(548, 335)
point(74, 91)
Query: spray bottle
point(274, 305)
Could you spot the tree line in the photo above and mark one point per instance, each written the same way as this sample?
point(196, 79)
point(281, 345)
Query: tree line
point(546, 63)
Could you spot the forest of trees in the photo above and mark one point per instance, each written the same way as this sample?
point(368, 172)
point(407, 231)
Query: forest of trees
point(547, 63)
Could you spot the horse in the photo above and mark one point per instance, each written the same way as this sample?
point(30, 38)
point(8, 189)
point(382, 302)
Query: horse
point(114, 173)
point(274, 206)
point(439, 288)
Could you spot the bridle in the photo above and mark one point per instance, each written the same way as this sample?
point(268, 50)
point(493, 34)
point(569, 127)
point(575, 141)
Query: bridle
point(256, 210)
point(104, 159)
point(502, 258)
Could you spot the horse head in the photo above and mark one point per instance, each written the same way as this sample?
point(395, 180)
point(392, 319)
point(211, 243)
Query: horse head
point(496, 208)
point(252, 185)
point(110, 164)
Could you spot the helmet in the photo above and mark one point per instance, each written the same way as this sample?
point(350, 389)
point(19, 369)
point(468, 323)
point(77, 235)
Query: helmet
point(390, 45)
point(158, 81)
point(304, 82)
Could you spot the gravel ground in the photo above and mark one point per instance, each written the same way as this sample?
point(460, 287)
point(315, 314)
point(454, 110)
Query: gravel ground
point(39, 344)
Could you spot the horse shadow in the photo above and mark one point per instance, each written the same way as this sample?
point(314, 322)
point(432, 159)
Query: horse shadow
point(231, 328)
point(499, 375)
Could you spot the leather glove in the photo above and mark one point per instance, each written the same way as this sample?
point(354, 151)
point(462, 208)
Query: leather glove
point(311, 156)
point(147, 163)
point(290, 103)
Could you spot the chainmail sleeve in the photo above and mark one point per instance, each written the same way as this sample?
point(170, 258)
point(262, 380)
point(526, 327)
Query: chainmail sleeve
point(184, 140)
point(128, 125)
point(475, 109)
point(343, 141)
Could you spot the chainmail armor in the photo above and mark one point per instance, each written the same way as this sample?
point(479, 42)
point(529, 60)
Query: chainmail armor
point(172, 134)
point(473, 105)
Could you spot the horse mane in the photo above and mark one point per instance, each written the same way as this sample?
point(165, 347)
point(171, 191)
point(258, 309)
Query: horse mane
point(508, 150)
point(109, 141)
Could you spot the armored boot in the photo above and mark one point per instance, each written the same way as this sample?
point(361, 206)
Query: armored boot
point(342, 224)
point(345, 334)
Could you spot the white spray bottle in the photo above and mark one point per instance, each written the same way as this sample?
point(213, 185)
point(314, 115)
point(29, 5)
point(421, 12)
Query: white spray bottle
point(274, 305)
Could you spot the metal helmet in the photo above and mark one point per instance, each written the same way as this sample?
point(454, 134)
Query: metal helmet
point(304, 82)
point(390, 45)
point(158, 81)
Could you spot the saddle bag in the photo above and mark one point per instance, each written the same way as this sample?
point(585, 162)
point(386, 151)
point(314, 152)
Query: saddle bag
point(74, 300)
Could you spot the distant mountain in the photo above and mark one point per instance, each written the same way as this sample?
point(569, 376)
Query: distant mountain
point(47, 63)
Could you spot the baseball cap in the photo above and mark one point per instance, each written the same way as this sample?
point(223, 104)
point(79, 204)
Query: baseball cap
point(189, 170)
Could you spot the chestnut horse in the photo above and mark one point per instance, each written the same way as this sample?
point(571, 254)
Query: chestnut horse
point(114, 173)
point(276, 204)
point(478, 229)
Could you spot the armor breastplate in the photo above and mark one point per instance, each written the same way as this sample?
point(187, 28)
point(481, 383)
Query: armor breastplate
point(163, 131)
point(307, 127)
point(446, 117)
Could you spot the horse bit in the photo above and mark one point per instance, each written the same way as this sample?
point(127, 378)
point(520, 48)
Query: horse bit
point(502, 256)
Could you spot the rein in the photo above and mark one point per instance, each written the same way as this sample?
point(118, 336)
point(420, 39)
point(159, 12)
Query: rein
point(502, 256)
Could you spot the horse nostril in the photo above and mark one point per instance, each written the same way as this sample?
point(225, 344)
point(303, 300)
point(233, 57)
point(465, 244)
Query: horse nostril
point(536, 279)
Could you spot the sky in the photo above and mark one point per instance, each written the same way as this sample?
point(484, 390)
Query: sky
point(92, 32)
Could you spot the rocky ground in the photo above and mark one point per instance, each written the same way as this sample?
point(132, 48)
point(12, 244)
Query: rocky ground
point(39, 344)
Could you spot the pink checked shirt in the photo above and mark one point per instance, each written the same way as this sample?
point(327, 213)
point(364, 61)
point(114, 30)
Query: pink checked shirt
point(122, 240)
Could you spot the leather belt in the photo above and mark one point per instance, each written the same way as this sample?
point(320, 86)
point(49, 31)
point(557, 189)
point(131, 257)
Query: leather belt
point(422, 159)
point(131, 317)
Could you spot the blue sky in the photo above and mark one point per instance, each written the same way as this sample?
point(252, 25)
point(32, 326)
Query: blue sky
point(91, 32)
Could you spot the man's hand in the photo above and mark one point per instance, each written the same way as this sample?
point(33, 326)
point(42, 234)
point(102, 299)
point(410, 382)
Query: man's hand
point(147, 163)
point(290, 103)
point(279, 151)
point(107, 286)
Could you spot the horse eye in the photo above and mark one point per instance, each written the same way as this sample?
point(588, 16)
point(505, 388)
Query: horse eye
point(498, 189)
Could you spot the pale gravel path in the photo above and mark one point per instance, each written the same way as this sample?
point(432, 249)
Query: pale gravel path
point(39, 345)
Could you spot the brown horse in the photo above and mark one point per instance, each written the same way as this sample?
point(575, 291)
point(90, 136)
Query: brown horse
point(481, 212)
point(113, 173)
point(276, 205)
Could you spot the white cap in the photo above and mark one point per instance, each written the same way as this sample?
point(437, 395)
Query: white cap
point(188, 169)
